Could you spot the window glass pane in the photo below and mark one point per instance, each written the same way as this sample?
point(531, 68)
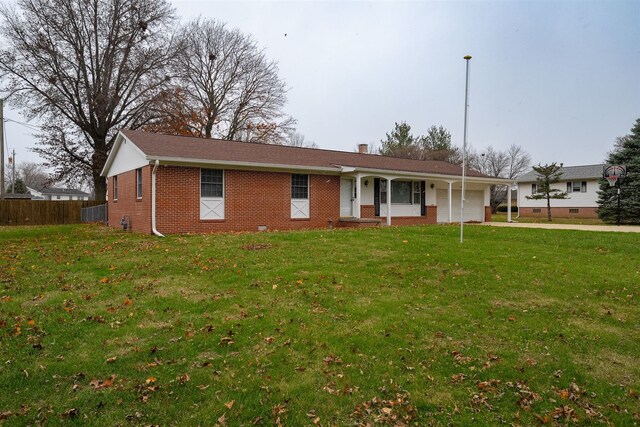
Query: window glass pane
point(115, 188)
point(576, 187)
point(211, 183)
point(401, 192)
point(138, 183)
point(534, 188)
point(416, 192)
point(299, 186)
point(584, 187)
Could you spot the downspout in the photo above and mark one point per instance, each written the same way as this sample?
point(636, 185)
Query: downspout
point(153, 200)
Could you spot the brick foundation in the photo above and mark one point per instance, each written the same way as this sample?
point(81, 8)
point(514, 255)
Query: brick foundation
point(431, 217)
point(559, 213)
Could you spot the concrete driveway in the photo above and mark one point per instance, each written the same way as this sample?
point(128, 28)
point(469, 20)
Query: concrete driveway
point(614, 228)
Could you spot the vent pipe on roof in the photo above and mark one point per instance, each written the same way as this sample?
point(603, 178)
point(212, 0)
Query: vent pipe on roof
point(363, 148)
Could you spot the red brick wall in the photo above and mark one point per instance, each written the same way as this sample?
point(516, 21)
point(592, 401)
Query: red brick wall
point(138, 211)
point(252, 199)
point(487, 213)
point(368, 211)
point(560, 213)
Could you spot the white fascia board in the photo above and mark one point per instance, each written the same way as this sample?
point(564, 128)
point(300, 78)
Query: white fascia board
point(417, 175)
point(229, 164)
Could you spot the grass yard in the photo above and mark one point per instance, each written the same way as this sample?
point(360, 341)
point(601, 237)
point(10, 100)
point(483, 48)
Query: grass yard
point(386, 326)
point(502, 217)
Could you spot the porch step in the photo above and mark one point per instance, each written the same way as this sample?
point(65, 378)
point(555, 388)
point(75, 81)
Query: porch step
point(349, 222)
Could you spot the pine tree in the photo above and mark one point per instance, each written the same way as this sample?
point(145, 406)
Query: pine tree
point(625, 153)
point(547, 175)
point(18, 188)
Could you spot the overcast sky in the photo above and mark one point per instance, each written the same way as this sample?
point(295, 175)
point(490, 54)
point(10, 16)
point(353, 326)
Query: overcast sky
point(559, 78)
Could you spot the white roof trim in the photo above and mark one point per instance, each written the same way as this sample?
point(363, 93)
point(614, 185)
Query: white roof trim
point(184, 161)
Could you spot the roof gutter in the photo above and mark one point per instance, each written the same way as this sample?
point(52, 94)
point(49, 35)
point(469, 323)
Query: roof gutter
point(153, 200)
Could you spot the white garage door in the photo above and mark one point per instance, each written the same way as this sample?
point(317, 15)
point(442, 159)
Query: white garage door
point(473, 206)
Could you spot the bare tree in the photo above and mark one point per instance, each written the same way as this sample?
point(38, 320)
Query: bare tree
point(227, 87)
point(502, 164)
point(298, 140)
point(85, 68)
point(34, 175)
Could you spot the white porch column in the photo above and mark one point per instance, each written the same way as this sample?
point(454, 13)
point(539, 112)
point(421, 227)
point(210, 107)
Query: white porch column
point(450, 206)
point(357, 203)
point(388, 201)
point(509, 203)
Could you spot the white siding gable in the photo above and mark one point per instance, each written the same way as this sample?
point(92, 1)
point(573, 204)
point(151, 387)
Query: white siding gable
point(127, 158)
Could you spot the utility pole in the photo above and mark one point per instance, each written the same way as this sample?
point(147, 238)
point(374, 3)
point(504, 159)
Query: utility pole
point(12, 160)
point(1, 149)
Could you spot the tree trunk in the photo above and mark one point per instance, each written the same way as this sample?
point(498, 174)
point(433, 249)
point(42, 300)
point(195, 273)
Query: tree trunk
point(548, 208)
point(98, 160)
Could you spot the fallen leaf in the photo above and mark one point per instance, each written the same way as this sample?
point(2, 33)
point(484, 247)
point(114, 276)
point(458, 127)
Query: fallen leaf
point(111, 359)
point(70, 413)
point(183, 379)
point(229, 404)
point(223, 420)
point(225, 341)
point(151, 380)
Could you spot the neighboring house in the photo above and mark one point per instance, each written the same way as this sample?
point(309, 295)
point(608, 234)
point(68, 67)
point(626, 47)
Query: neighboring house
point(580, 182)
point(58, 194)
point(175, 184)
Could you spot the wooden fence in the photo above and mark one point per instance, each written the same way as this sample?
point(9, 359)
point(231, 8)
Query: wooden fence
point(42, 212)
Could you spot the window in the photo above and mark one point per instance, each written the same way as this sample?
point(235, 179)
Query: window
point(577, 187)
point(402, 192)
point(115, 188)
point(416, 192)
point(383, 191)
point(211, 183)
point(534, 188)
point(299, 186)
point(139, 183)
point(574, 210)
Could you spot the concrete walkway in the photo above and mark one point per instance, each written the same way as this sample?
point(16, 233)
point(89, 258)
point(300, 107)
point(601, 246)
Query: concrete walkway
point(615, 228)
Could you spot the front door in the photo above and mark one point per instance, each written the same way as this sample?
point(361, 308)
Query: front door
point(346, 197)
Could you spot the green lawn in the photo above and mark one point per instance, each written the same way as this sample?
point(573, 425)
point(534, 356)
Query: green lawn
point(385, 326)
point(502, 217)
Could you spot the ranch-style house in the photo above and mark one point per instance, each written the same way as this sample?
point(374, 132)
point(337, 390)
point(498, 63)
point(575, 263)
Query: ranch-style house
point(175, 184)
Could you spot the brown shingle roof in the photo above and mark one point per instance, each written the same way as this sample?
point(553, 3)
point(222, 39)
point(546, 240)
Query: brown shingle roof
point(155, 145)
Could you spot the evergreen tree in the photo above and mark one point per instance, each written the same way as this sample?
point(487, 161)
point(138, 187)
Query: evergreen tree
point(401, 143)
point(19, 187)
point(626, 152)
point(547, 176)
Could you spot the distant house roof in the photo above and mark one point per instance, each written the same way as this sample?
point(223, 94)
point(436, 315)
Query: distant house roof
point(61, 191)
point(570, 173)
point(170, 148)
